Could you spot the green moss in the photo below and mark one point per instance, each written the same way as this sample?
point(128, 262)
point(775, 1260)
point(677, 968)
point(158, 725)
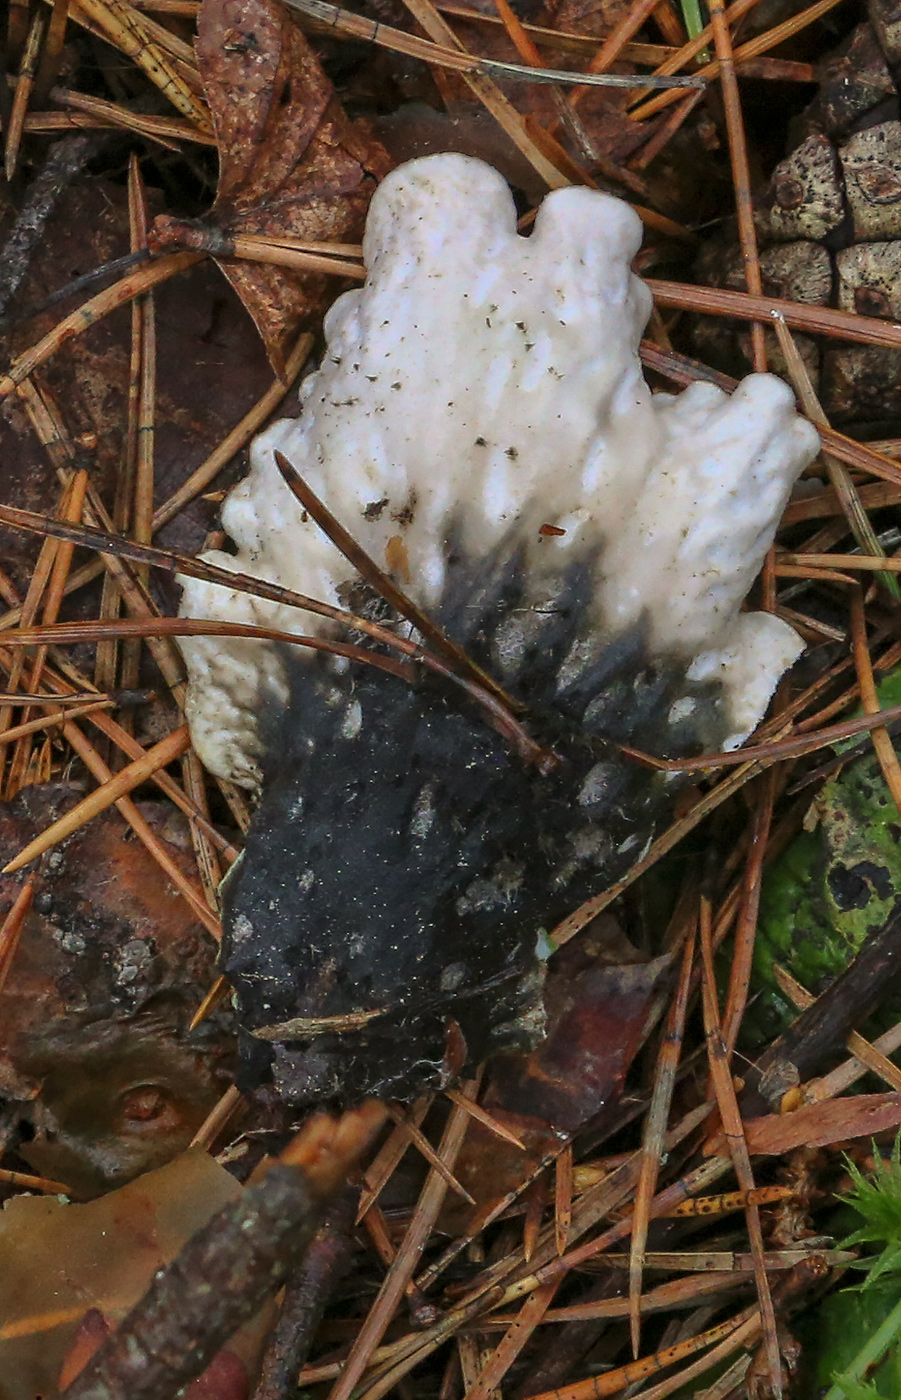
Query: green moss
point(837, 883)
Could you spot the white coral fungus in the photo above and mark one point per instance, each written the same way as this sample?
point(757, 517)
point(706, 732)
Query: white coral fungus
point(482, 385)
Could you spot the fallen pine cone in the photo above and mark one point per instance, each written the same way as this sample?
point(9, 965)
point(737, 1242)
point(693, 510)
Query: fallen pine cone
point(829, 226)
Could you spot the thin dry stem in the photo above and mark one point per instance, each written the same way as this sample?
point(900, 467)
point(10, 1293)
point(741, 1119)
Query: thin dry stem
point(741, 177)
point(563, 1198)
point(655, 1131)
point(752, 49)
point(668, 839)
point(487, 1120)
point(145, 833)
point(734, 1332)
point(122, 26)
point(718, 1059)
point(98, 112)
point(746, 929)
point(24, 1181)
point(816, 320)
point(743, 1335)
point(22, 93)
point(882, 743)
point(616, 41)
point(840, 1079)
point(531, 1315)
point(218, 1118)
point(407, 1256)
point(564, 40)
point(380, 1171)
point(868, 1055)
point(846, 492)
point(11, 928)
point(216, 996)
point(489, 94)
point(422, 1145)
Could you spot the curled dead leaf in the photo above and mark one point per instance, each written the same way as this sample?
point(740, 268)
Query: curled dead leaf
point(291, 163)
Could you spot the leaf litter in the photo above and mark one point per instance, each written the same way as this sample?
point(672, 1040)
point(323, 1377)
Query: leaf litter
point(72, 1272)
point(291, 164)
point(107, 1069)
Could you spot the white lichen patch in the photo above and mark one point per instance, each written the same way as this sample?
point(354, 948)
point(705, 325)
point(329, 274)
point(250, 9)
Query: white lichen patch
point(483, 385)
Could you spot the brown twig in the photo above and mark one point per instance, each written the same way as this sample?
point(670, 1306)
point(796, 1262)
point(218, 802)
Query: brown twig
point(882, 743)
point(306, 1297)
point(22, 94)
point(793, 746)
point(227, 1269)
point(11, 928)
point(746, 926)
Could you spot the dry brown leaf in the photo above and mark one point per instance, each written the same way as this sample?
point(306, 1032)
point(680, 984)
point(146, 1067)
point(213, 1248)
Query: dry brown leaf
point(290, 161)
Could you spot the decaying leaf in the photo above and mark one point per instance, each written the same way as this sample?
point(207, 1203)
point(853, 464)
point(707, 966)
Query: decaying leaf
point(599, 1011)
point(94, 1017)
point(69, 1273)
point(291, 164)
point(600, 1000)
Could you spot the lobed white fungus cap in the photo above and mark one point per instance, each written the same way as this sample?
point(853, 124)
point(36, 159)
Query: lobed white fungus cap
point(482, 384)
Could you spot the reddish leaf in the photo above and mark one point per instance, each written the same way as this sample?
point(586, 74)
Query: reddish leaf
point(598, 1013)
